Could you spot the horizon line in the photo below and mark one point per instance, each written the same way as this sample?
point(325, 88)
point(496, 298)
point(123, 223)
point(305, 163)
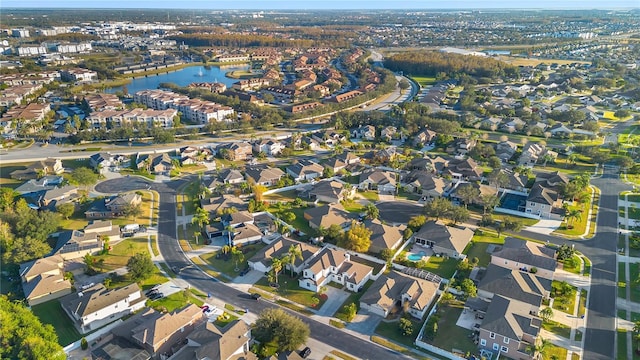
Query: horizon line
point(577, 8)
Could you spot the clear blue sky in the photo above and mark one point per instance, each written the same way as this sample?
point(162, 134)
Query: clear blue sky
point(324, 4)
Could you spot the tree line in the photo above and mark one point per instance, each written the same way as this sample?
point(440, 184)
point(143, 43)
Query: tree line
point(433, 63)
point(238, 40)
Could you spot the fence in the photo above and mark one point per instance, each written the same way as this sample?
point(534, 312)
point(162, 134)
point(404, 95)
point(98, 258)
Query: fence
point(93, 336)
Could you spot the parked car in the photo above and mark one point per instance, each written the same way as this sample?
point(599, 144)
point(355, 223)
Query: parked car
point(256, 296)
point(244, 271)
point(305, 352)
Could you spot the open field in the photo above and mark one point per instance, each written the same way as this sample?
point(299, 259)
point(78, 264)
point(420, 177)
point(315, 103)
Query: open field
point(51, 312)
point(535, 62)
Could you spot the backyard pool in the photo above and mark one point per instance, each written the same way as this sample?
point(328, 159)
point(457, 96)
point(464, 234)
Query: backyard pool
point(416, 256)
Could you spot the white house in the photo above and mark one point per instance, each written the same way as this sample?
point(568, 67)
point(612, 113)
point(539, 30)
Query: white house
point(98, 306)
point(334, 265)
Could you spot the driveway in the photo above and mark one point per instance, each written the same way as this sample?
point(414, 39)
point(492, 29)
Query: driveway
point(364, 323)
point(123, 184)
point(336, 298)
point(398, 211)
point(244, 283)
point(544, 226)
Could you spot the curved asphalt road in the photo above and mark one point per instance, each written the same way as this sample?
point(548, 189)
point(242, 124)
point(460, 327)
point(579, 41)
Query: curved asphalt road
point(173, 256)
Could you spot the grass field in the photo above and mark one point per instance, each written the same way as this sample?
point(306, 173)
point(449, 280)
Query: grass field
point(289, 289)
point(120, 254)
point(442, 267)
point(579, 226)
point(449, 335)
point(424, 80)
point(228, 266)
point(554, 352)
point(175, 301)
point(557, 328)
point(391, 331)
point(51, 313)
point(478, 247)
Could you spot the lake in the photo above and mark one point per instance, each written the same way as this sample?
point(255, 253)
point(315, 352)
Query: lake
point(183, 77)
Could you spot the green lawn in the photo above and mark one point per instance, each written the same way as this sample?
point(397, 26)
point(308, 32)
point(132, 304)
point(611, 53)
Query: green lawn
point(299, 223)
point(622, 314)
point(51, 313)
point(635, 317)
point(354, 298)
point(445, 268)
point(228, 266)
point(587, 266)
point(353, 206)
point(424, 80)
point(391, 331)
point(575, 269)
point(523, 220)
point(478, 247)
point(449, 335)
point(225, 319)
point(621, 353)
point(565, 302)
point(289, 289)
point(633, 213)
point(634, 273)
point(285, 196)
point(633, 198)
point(554, 352)
point(557, 328)
point(120, 254)
point(370, 195)
point(582, 307)
point(175, 301)
point(578, 226)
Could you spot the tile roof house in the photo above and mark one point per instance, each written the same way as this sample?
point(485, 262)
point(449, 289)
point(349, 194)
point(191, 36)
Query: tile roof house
point(425, 137)
point(330, 191)
point(541, 201)
point(112, 206)
point(231, 176)
point(305, 170)
point(261, 261)
point(95, 307)
point(510, 327)
point(268, 146)
point(428, 164)
point(43, 280)
point(216, 205)
point(209, 342)
point(239, 151)
point(48, 166)
point(514, 284)
point(380, 180)
point(349, 158)
point(383, 236)
point(261, 175)
point(367, 132)
point(334, 265)
point(335, 164)
point(463, 169)
point(505, 150)
point(517, 254)
point(396, 290)
point(327, 215)
point(158, 332)
point(444, 239)
point(425, 183)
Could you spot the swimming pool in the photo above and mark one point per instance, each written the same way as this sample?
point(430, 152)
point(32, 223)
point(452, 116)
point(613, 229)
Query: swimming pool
point(416, 256)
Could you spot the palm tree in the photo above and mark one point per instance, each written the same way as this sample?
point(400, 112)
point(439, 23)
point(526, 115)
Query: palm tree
point(294, 252)
point(200, 218)
point(276, 266)
point(238, 256)
point(571, 216)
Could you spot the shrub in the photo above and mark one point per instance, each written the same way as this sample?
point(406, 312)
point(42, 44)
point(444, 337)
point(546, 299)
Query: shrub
point(84, 344)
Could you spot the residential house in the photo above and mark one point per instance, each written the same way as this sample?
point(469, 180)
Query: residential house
point(335, 164)
point(513, 125)
point(425, 184)
point(102, 101)
point(96, 306)
point(238, 151)
point(327, 215)
point(543, 202)
point(505, 150)
point(349, 158)
point(559, 130)
point(279, 248)
point(333, 265)
point(261, 175)
point(463, 169)
point(330, 191)
point(482, 190)
point(388, 133)
point(553, 180)
point(517, 182)
point(52, 197)
point(245, 233)
point(433, 165)
point(366, 132)
point(383, 236)
point(461, 146)
point(444, 239)
point(525, 255)
point(216, 205)
point(532, 153)
point(425, 137)
point(155, 163)
point(305, 170)
point(514, 284)
point(510, 328)
point(210, 342)
point(113, 206)
point(396, 292)
point(104, 161)
point(378, 180)
point(43, 280)
point(231, 176)
point(39, 169)
point(158, 333)
point(329, 138)
point(490, 123)
point(268, 146)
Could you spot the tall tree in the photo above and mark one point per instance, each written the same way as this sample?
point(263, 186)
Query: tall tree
point(133, 211)
point(372, 211)
point(357, 238)
point(140, 266)
point(489, 201)
point(276, 267)
point(438, 207)
point(83, 176)
point(237, 255)
point(467, 193)
point(24, 337)
point(287, 331)
point(293, 254)
point(66, 209)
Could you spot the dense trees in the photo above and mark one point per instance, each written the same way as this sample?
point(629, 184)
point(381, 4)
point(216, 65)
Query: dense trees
point(24, 231)
point(357, 238)
point(285, 331)
point(24, 337)
point(431, 63)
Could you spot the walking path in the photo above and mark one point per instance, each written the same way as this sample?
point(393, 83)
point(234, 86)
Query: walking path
point(625, 303)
